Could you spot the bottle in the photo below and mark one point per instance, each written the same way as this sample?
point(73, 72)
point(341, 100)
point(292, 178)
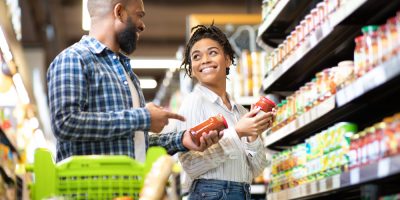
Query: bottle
point(217, 123)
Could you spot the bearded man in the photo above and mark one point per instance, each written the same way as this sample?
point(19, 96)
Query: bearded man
point(96, 103)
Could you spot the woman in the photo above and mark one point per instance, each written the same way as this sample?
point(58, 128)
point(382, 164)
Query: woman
point(225, 170)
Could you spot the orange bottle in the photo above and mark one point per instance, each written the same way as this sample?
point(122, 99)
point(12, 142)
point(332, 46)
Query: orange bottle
point(217, 123)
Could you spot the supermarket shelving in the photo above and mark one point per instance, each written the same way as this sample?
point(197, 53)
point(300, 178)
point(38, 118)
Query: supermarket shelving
point(364, 102)
point(329, 44)
point(371, 173)
point(369, 93)
point(4, 139)
point(278, 22)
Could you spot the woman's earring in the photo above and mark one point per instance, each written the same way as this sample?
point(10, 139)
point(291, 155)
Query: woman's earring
point(227, 70)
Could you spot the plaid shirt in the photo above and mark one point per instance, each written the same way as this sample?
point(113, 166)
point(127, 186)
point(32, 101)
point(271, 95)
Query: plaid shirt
point(91, 104)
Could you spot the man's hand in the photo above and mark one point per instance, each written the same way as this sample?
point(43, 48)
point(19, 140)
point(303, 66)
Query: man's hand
point(206, 140)
point(254, 123)
point(159, 117)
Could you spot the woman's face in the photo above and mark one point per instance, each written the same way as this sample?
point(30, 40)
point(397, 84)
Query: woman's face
point(209, 62)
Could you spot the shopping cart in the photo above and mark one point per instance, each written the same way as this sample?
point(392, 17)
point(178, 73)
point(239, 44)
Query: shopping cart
point(89, 177)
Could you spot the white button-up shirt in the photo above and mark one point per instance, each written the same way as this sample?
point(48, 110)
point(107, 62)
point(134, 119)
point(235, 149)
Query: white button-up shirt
point(232, 159)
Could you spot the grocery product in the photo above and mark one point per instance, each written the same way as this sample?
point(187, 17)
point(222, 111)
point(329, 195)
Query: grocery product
point(217, 122)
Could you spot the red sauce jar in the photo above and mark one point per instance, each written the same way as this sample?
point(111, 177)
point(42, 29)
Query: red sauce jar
point(217, 123)
point(265, 104)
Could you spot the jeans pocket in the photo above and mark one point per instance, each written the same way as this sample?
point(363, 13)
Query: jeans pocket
point(206, 195)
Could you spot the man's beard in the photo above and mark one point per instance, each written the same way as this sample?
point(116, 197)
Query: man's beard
point(127, 38)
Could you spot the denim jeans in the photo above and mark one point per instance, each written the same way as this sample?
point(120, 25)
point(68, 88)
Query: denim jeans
point(210, 189)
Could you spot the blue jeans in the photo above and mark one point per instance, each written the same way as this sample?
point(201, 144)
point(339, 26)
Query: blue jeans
point(210, 189)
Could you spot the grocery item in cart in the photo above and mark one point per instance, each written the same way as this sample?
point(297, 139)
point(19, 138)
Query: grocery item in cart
point(217, 122)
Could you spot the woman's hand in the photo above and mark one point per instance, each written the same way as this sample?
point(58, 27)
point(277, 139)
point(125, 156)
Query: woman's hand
point(254, 123)
point(206, 140)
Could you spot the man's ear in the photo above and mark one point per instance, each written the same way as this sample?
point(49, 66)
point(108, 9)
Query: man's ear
point(119, 11)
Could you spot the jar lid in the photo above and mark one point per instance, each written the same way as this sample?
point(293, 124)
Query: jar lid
point(223, 120)
point(269, 101)
point(346, 63)
point(359, 39)
point(392, 20)
point(370, 28)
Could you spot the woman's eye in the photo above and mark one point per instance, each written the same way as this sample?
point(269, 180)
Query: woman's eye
point(213, 52)
point(195, 57)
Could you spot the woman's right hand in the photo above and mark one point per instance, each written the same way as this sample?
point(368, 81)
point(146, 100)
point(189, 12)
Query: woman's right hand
point(254, 123)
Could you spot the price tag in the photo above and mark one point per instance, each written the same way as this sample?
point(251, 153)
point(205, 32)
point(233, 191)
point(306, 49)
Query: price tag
point(313, 187)
point(322, 185)
point(336, 181)
point(358, 89)
point(341, 97)
point(355, 176)
point(383, 167)
point(303, 190)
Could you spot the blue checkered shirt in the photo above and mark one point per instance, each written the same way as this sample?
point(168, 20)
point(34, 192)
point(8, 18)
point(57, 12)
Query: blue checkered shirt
point(91, 104)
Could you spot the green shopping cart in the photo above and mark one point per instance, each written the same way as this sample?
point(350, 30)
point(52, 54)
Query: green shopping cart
point(89, 177)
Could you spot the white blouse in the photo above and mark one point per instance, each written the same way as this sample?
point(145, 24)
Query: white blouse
point(232, 159)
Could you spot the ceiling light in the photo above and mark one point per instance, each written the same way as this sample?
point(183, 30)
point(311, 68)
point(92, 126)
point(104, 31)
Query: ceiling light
point(85, 16)
point(155, 63)
point(148, 83)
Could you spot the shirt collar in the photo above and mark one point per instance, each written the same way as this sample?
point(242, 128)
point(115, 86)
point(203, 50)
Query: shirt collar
point(93, 44)
point(210, 95)
point(97, 47)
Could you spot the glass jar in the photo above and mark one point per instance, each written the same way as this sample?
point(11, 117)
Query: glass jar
point(383, 45)
point(295, 40)
point(315, 17)
point(281, 51)
point(371, 44)
point(305, 28)
point(265, 104)
point(310, 24)
point(360, 57)
point(300, 34)
point(217, 122)
point(393, 35)
point(344, 75)
point(289, 45)
point(322, 12)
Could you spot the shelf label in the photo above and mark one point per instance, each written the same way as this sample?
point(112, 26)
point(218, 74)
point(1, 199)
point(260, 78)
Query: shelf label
point(355, 176)
point(313, 187)
point(384, 167)
point(322, 185)
point(303, 190)
point(336, 181)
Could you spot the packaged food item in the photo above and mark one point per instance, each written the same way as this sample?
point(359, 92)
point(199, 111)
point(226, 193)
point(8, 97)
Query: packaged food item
point(217, 122)
point(371, 41)
point(265, 104)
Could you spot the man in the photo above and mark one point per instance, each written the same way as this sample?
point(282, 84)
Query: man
point(96, 103)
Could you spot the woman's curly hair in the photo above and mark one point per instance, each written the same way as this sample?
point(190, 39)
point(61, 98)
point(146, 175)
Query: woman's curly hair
point(211, 32)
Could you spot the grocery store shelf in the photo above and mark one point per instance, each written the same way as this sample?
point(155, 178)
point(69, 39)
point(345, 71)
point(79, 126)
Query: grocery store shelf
point(280, 21)
point(373, 79)
point(5, 175)
point(303, 120)
point(4, 139)
point(328, 45)
point(352, 103)
point(340, 183)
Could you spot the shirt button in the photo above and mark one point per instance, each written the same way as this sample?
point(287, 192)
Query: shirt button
point(125, 82)
point(115, 57)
